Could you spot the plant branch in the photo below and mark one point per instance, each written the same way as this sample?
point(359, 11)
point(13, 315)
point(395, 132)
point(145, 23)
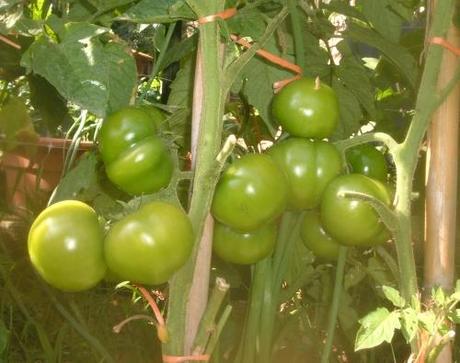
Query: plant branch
point(207, 325)
point(218, 330)
point(334, 310)
point(234, 69)
point(381, 137)
point(297, 32)
point(159, 61)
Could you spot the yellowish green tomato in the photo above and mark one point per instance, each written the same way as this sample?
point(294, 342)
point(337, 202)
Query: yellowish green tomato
point(150, 245)
point(66, 246)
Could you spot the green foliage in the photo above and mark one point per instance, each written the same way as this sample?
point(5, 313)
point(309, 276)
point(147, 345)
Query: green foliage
point(51, 106)
point(160, 11)
point(395, 53)
point(96, 76)
point(376, 327)
point(380, 325)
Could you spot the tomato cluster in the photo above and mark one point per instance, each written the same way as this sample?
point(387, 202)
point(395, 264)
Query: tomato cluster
point(66, 242)
point(136, 159)
point(300, 173)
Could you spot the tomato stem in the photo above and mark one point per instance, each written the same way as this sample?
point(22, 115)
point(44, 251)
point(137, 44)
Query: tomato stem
point(334, 309)
point(297, 24)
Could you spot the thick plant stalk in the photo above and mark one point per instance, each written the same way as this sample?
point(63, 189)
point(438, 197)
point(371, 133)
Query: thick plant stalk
point(184, 312)
point(441, 185)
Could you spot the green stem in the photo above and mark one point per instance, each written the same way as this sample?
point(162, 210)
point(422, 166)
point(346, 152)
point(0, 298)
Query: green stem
point(214, 339)
point(385, 139)
point(247, 352)
point(206, 171)
point(406, 155)
point(334, 310)
point(288, 232)
point(296, 23)
point(159, 61)
point(208, 320)
point(287, 237)
point(235, 68)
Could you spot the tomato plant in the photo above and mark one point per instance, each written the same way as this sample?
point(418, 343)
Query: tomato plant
point(309, 167)
point(366, 159)
point(135, 158)
point(244, 247)
point(350, 221)
point(306, 108)
point(251, 192)
point(316, 239)
point(65, 246)
point(148, 246)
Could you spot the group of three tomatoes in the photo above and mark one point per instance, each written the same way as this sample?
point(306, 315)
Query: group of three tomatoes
point(68, 246)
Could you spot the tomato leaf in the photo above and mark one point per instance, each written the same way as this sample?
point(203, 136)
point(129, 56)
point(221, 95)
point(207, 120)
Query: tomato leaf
point(377, 327)
point(454, 316)
point(438, 295)
point(394, 296)
point(98, 77)
point(409, 324)
point(382, 18)
point(350, 111)
point(257, 84)
point(158, 11)
point(397, 54)
point(428, 320)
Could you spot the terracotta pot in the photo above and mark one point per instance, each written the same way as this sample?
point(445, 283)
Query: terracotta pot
point(34, 170)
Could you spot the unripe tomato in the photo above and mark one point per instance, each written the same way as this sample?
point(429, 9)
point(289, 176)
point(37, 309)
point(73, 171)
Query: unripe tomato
point(244, 247)
point(316, 239)
point(65, 246)
point(306, 108)
point(367, 160)
point(135, 158)
point(351, 221)
point(250, 193)
point(148, 246)
point(309, 167)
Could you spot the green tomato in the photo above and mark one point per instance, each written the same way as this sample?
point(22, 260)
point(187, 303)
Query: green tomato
point(150, 245)
point(135, 158)
point(65, 246)
point(309, 167)
point(316, 239)
point(250, 193)
point(244, 248)
point(351, 221)
point(306, 109)
point(367, 160)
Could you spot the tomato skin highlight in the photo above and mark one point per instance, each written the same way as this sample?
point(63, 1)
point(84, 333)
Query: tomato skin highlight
point(136, 159)
point(244, 248)
point(65, 245)
point(309, 167)
point(353, 222)
point(316, 239)
point(150, 245)
point(367, 160)
point(302, 109)
point(250, 193)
